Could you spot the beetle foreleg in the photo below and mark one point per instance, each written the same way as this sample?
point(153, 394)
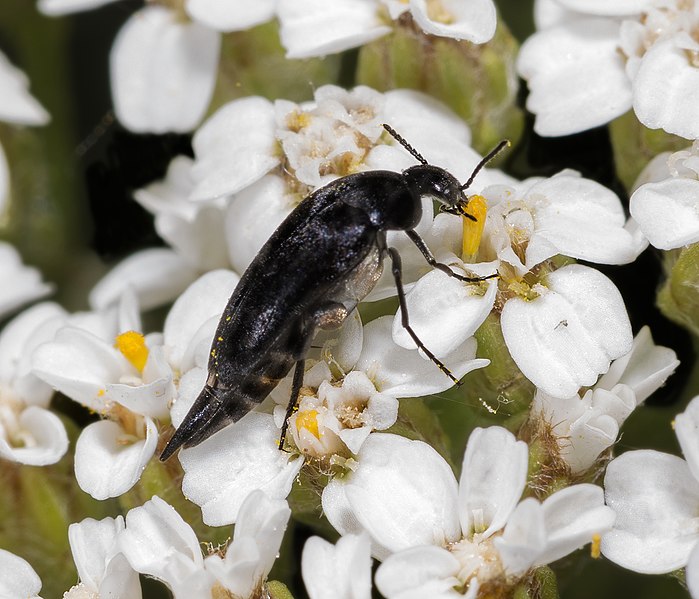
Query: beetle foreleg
point(422, 246)
point(397, 275)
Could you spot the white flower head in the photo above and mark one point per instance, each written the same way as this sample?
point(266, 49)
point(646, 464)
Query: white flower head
point(29, 432)
point(588, 65)
point(655, 496)
point(666, 206)
point(315, 28)
point(430, 529)
point(20, 284)
point(342, 570)
point(128, 382)
point(18, 580)
point(159, 543)
point(162, 71)
point(562, 326)
point(102, 568)
point(585, 426)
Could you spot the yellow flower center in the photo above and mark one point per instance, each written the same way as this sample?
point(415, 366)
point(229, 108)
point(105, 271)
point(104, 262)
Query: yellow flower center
point(133, 346)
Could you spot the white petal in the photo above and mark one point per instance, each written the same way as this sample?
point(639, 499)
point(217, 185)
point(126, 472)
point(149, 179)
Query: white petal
point(493, 476)
point(667, 212)
point(342, 570)
point(582, 219)
point(93, 544)
point(56, 8)
point(202, 300)
point(107, 462)
point(252, 217)
point(687, 431)
point(316, 28)
point(644, 369)
point(573, 516)
point(159, 543)
point(17, 104)
point(576, 76)
point(473, 21)
point(20, 284)
point(45, 437)
point(241, 133)
point(403, 493)
point(419, 572)
point(224, 469)
point(405, 373)
point(255, 546)
point(162, 71)
point(567, 337)
point(602, 7)
point(120, 580)
point(18, 340)
point(444, 312)
point(655, 498)
point(692, 573)
point(18, 580)
point(524, 537)
point(79, 364)
point(157, 276)
point(666, 91)
point(224, 16)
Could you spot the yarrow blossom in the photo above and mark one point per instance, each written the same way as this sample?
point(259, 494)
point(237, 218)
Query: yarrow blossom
point(655, 496)
point(435, 536)
point(311, 28)
point(584, 426)
point(665, 205)
point(562, 325)
point(590, 62)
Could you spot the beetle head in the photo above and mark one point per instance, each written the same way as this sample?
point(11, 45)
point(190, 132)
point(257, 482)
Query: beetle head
point(425, 179)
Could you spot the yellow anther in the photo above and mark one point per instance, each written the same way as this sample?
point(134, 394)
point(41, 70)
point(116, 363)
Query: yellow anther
point(308, 419)
point(133, 346)
point(297, 120)
point(595, 551)
point(219, 338)
point(477, 207)
point(101, 392)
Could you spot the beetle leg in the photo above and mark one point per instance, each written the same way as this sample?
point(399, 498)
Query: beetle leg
point(422, 246)
point(293, 399)
point(396, 268)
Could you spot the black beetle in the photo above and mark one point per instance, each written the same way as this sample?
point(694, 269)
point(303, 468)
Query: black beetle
point(312, 272)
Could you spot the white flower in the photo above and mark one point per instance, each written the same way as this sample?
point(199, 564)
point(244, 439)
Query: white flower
point(162, 71)
point(342, 570)
point(435, 534)
point(155, 275)
point(29, 432)
point(159, 543)
point(555, 336)
point(590, 64)
point(20, 284)
point(329, 425)
point(315, 28)
point(128, 385)
point(18, 580)
point(587, 425)
point(655, 496)
point(195, 230)
point(102, 568)
point(665, 205)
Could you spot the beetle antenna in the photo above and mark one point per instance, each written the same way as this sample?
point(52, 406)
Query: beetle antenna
point(488, 157)
point(405, 144)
